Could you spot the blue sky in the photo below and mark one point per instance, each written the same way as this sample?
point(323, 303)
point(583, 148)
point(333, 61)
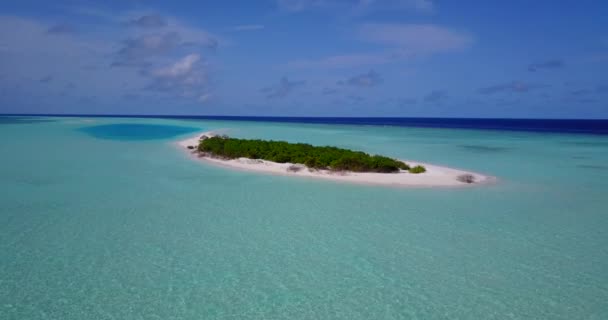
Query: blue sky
point(433, 58)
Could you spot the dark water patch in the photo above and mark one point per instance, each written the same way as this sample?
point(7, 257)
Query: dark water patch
point(482, 148)
point(586, 143)
point(598, 127)
point(23, 120)
point(136, 131)
point(35, 181)
point(579, 157)
point(593, 166)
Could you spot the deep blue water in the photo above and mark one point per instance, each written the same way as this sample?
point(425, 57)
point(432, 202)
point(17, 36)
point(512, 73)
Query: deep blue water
point(532, 125)
point(23, 120)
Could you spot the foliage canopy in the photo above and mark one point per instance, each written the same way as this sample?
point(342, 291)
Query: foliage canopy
point(314, 157)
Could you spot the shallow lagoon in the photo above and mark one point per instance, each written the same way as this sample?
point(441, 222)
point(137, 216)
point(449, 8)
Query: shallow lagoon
point(129, 227)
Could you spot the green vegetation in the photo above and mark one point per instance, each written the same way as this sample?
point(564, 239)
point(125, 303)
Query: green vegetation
point(314, 157)
point(417, 169)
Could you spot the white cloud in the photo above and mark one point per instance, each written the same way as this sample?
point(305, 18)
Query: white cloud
point(180, 68)
point(204, 97)
point(436, 96)
point(369, 6)
point(29, 52)
point(248, 27)
point(356, 7)
point(185, 78)
point(299, 5)
point(548, 64)
point(168, 37)
point(61, 29)
point(149, 21)
point(416, 38)
point(424, 5)
point(165, 59)
point(399, 41)
point(343, 61)
point(137, 51)
point(30, 37)
point(166, 24)
point(510, 87)
point(282, 89)
point(368, 79)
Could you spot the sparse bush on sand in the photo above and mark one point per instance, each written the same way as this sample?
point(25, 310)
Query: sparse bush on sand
point(294, 168)
point(417, 169)
point(466, 178)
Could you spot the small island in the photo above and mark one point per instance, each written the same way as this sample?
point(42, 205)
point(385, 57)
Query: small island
point(323, 162)
point(313, 157)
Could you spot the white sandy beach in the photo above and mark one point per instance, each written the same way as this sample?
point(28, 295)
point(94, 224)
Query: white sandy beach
point(435, 176)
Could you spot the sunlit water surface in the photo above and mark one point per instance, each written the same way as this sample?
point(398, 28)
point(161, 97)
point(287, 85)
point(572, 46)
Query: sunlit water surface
point(107, 219)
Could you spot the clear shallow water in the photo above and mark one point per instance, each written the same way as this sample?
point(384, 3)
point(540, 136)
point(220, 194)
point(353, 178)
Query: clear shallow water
point(124, 228)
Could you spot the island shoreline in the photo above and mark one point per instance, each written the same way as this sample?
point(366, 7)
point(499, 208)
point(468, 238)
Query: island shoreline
point(435, 177)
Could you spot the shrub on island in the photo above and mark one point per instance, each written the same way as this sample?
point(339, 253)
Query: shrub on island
point(314, 157)
point(294, 168)
point(466, 178)
point(417, 169)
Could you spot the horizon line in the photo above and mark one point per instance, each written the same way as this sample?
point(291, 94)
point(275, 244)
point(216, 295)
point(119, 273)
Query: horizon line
point(282, 117)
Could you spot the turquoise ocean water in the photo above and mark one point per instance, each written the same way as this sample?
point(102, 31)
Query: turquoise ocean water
point(105, 218)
